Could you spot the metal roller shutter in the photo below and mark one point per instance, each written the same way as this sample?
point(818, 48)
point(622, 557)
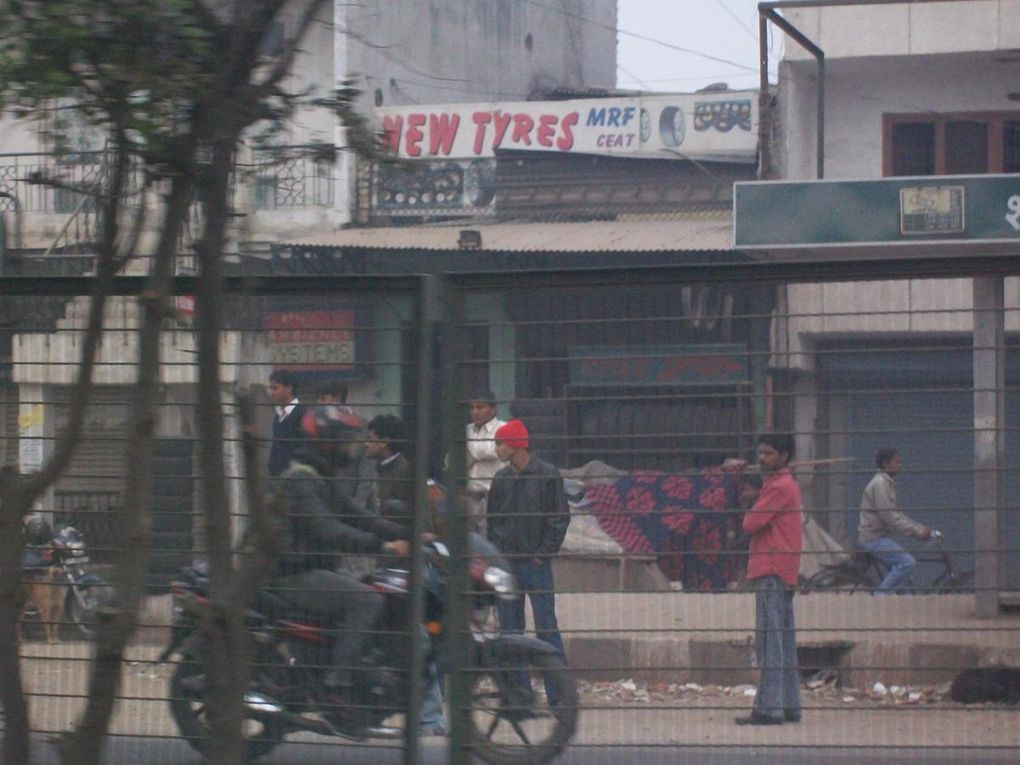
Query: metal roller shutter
point(934, 432)
point(98, 464)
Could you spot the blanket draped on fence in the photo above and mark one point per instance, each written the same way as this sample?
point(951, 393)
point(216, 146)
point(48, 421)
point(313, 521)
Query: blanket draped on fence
point(686, 519)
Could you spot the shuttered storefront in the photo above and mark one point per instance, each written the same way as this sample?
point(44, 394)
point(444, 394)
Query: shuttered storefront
point(922, 403)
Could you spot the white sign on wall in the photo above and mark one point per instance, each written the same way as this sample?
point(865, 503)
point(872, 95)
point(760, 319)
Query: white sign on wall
point(704, 126)
point(31, 419)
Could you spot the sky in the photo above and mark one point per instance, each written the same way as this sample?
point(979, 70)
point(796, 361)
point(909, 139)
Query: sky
point(683, 45)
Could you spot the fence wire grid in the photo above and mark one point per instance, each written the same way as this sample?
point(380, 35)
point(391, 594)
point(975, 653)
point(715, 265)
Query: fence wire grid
point(646, 393)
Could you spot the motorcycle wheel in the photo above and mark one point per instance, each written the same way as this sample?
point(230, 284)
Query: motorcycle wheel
point(188, 710)
point(531, 735)
point(81, 607)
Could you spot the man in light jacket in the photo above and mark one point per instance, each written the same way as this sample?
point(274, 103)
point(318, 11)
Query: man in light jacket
point(880, 518)
point(482, 461)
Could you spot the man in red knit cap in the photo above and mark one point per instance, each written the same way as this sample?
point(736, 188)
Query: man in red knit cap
point(527, 518)
point(775, 527)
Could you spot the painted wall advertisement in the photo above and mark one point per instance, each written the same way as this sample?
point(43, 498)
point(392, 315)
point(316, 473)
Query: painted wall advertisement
point(457, 143)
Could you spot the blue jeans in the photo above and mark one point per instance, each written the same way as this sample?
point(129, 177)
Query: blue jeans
point(535, 580)
point(778, 694)
point(901, 564)
point(432, 715)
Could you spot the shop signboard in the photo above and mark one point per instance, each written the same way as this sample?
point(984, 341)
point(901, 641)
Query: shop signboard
point(930, 210)
point(713, 125)
point(710, 364)
point(319, 340)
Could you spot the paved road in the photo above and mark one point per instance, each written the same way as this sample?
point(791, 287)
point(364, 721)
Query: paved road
point(131, 751)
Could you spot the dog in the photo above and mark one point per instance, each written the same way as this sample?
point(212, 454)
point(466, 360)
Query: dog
point(46, 592)
point(982, 684)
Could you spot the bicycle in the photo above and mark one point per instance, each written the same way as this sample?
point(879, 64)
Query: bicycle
point(864, 571)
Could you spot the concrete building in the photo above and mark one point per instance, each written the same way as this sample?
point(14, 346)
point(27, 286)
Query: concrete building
point(920, 89)
point(399, 52)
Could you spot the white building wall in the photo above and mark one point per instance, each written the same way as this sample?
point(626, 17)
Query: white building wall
point(896, 59)
point(858, 92)
point(448, 51)
point(908, 28)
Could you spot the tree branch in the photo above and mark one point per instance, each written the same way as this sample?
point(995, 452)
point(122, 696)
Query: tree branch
point(81, 393)
point(283, 66)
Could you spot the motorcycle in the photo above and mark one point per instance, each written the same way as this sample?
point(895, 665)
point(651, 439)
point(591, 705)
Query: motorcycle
point(65, 549)
point(513, 676)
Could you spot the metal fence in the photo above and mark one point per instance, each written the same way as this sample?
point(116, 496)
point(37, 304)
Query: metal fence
point(646, 389)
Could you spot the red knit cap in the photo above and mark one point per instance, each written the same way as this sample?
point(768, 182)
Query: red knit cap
point(513, 434)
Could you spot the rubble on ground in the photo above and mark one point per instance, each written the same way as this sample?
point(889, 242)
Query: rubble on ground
point(822, 686)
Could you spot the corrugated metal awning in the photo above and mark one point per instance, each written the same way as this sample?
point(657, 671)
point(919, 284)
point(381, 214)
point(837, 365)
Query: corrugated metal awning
point(702, 233)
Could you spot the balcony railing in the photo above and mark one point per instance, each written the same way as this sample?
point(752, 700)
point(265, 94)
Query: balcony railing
point(282, 177)
point(288, 177)
point(64, 173)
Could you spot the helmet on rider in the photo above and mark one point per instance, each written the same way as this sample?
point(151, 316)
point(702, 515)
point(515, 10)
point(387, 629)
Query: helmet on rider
point(37, 531)
point(335, 430)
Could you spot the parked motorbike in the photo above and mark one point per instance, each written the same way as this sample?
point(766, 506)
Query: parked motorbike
point(65, 550)
point(511, 720)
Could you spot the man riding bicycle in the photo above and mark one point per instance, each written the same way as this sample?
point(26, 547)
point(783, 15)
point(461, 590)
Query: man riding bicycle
point(323, 520)
point(880, 518)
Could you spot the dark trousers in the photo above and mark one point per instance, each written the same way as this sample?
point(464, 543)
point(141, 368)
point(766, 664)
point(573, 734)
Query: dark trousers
point(535, 580)
point(353, 606)
point(778, 694)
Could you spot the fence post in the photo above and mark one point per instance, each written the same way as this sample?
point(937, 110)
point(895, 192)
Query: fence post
point(989, 441)
point(458, 639)
point(429, 310)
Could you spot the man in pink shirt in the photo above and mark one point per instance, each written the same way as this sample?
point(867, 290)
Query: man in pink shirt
point(775, 527)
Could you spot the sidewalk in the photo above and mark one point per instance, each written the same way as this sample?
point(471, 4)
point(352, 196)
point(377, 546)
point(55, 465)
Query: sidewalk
point(706, 638)
point(662, 641)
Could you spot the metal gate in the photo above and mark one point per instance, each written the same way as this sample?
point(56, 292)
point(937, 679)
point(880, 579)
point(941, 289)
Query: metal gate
point(651, 417)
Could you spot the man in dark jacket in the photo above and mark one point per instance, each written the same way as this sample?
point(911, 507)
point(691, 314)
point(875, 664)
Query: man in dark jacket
point(324, 520)
point(527, 520)
point(395, 473)
point(287, 414)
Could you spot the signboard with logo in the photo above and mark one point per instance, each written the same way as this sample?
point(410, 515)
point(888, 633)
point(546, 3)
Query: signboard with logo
point(933, 211)
point(467, 187)
point(705, 126)
point(320, 340)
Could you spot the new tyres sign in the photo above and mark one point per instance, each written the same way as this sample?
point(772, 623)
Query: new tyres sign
point(705, 126)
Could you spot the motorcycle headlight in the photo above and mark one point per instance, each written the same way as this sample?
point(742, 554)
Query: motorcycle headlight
point(502, 582)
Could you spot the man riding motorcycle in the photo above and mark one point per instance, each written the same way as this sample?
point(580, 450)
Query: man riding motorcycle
point(323, 521)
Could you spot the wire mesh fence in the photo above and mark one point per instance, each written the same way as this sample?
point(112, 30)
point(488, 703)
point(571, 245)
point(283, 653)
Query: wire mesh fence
point(620, 504)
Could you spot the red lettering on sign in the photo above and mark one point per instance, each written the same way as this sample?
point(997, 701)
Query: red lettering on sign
point(546, 130)
point(566, 141)
point(414, 135)
point(442, 132)
point(392, 127)
point(522, 129)
point(481, 120)
point(502, 122)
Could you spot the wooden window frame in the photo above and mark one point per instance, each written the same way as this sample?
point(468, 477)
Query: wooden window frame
point(994, 120)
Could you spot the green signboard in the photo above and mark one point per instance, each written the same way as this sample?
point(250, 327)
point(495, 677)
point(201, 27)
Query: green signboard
point(931, 209)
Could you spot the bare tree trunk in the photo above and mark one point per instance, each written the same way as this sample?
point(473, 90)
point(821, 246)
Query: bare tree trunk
point(17, 492)
point(84, 745)
point(227, 668)
point(12, 694)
